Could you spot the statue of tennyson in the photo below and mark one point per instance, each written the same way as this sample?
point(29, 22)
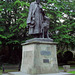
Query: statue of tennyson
point(37, 22)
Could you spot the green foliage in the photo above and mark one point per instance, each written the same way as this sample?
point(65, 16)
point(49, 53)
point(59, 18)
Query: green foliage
point(62, 32)
point(71, 62)
point(13, 16)
point(0, 42)
point(13, 21)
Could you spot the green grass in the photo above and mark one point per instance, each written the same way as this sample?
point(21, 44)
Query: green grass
point(73, 72)
point(0, 72)
point(61, 67)
point(72, 67)
point(6, 71)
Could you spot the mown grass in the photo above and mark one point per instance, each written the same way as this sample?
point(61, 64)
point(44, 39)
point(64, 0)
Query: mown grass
point(6, 71)
point(0, 72)
point(61, 67)
point(73, 72)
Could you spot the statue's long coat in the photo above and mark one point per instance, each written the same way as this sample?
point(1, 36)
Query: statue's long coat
point(35, 18)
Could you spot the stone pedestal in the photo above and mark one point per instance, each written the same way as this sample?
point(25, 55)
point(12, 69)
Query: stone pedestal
point(39, 57)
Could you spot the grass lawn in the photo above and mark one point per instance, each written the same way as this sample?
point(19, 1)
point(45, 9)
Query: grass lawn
point(72, 67)
point(73, 72)
point(7, 71)
point(0, 72)
point(61, 67)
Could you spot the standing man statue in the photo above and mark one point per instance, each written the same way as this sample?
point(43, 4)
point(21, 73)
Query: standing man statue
point(37, 21)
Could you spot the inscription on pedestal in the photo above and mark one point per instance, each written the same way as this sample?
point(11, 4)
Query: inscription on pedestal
point(47, 53)
point(45, 60)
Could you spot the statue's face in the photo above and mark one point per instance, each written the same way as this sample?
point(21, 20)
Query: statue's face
point(38, 1)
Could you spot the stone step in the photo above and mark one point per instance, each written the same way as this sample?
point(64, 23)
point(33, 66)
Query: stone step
point(5, 74)
point(22, 73)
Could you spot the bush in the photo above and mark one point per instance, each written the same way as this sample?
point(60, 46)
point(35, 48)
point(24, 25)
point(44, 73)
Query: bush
point(71, 62)
point(67, 56)
point(59, 58)
point(3, 58)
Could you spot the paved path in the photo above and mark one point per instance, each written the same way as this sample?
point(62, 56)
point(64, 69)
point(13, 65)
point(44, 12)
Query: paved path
point(21, 73)
point(61, 73)
point(4, 74)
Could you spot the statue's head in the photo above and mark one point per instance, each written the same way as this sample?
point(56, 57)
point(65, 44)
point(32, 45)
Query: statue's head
point(38, 1)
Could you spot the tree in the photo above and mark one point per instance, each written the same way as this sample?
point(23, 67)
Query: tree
point(13, 21)
point(13, 17)
point(13, 24)
point(62, 32)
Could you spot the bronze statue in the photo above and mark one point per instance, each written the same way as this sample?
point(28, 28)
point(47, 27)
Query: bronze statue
point(37, 22)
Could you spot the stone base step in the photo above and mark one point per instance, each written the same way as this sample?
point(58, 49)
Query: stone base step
point(22, 73)
point(5, 74)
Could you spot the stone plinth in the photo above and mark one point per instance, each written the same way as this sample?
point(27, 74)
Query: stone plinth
point(39, 57)
point(22, 73)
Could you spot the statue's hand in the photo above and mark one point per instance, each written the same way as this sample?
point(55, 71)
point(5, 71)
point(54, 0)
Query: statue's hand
point(33, 21)
point(30, 25)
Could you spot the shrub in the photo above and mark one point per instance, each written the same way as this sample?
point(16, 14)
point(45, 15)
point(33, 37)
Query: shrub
point(59, 58)
point(67, 56)
point(71, 62)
